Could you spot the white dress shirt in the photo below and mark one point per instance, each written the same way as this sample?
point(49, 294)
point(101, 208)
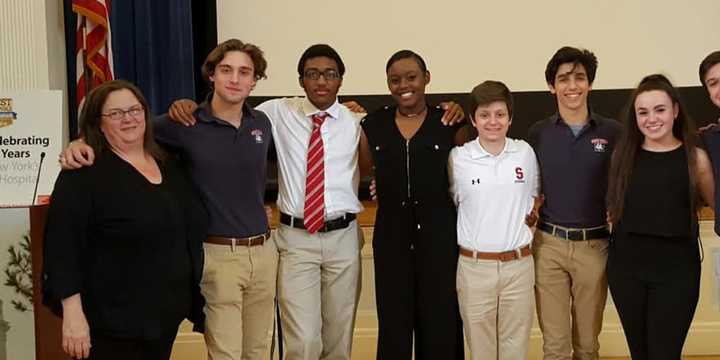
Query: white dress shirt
point(291, 127)
point(493, 195)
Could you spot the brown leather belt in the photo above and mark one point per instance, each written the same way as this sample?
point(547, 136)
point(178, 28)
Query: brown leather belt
point(232, 242)
point(500, 256)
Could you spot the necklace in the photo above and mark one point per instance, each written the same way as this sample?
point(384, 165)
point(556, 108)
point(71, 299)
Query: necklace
point(412, 115)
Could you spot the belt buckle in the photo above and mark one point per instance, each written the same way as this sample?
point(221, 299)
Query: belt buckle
point(505, 256)
point(232, 244)
point(330, 225)
point(518, 253)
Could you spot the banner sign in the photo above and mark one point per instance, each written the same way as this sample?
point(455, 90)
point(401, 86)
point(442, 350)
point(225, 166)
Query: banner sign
point(30, 142)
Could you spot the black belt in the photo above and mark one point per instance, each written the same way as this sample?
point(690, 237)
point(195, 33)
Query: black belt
point(572, 234)
point(330, 225)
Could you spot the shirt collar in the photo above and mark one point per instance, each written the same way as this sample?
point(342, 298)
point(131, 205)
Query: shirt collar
point(309, 109)
point(593, 121)
point(203, 112)
point(478, 152)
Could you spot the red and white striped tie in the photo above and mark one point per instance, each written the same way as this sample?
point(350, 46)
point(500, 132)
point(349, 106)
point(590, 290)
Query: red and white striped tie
point(315, 181)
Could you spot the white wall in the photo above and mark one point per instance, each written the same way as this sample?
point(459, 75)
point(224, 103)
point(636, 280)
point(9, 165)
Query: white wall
point(466, 41)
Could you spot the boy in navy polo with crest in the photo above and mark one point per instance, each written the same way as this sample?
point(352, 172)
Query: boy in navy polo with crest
point(574, 147)
point(710, 78)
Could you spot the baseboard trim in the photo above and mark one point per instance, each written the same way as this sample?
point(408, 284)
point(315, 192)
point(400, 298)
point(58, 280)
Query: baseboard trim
point(702, 339)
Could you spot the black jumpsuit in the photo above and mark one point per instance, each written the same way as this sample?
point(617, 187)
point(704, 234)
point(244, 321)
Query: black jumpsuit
point(414, 240)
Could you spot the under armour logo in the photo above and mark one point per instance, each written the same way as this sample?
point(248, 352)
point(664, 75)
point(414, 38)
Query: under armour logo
point(475, 181)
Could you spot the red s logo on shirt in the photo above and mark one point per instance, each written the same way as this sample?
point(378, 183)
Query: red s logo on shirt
point(519, 173)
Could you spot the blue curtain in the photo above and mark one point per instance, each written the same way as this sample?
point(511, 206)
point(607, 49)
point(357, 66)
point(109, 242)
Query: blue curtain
point(152, 47)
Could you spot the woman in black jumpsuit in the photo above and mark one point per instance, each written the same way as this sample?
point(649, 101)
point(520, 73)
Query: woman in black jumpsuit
point(653, 264)
point(414, 240)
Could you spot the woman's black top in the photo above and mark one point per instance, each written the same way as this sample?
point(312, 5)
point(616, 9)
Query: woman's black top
point(658, 221)
point(132, 249)
point(414, 205)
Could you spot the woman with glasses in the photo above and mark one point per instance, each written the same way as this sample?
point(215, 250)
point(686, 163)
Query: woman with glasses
point(123, 241)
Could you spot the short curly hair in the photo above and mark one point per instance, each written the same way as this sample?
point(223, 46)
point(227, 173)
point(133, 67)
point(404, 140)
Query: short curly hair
point(575, 56)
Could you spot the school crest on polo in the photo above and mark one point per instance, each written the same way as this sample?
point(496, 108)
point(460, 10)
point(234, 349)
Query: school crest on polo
point(258, 134)
point(599, 144)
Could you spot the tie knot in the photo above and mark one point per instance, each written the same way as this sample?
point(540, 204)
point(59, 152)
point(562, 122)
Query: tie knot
point(319, 118)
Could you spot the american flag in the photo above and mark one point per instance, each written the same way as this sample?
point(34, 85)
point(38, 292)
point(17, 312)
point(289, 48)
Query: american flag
point(94, 46)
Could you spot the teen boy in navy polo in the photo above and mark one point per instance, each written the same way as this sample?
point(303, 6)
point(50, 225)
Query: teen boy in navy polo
point(573, 147)
point(710, 78)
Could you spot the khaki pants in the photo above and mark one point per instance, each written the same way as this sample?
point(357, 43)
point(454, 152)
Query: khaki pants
point(239, 289)
point(319, 286)
point(570, 291)
point(496, 305)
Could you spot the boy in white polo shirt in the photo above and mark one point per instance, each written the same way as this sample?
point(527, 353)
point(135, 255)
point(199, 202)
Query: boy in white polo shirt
point(494, 182)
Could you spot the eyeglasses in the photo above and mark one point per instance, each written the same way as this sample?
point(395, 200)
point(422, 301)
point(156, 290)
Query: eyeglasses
point(118, 114)
point(328, 74)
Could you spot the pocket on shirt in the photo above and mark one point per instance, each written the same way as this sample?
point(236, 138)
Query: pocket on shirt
point(433, 156)
point(383, 157)
point(380, 152)
point(437, 149)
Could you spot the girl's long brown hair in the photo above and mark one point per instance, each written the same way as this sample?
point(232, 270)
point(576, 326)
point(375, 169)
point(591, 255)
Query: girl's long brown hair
point(623, 159)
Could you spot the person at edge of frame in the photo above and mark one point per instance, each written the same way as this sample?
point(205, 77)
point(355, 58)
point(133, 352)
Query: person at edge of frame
point(709, 72)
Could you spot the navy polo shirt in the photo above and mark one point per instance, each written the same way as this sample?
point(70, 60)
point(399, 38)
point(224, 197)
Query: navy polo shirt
point(228, 166)
point(574, 169)
point(711, 139)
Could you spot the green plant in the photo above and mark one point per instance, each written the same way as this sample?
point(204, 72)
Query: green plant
point(19, 274)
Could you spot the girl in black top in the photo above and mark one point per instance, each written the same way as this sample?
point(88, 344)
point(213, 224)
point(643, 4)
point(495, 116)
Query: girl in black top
point(123, 241)
point(658, 180)
point(414, 240)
